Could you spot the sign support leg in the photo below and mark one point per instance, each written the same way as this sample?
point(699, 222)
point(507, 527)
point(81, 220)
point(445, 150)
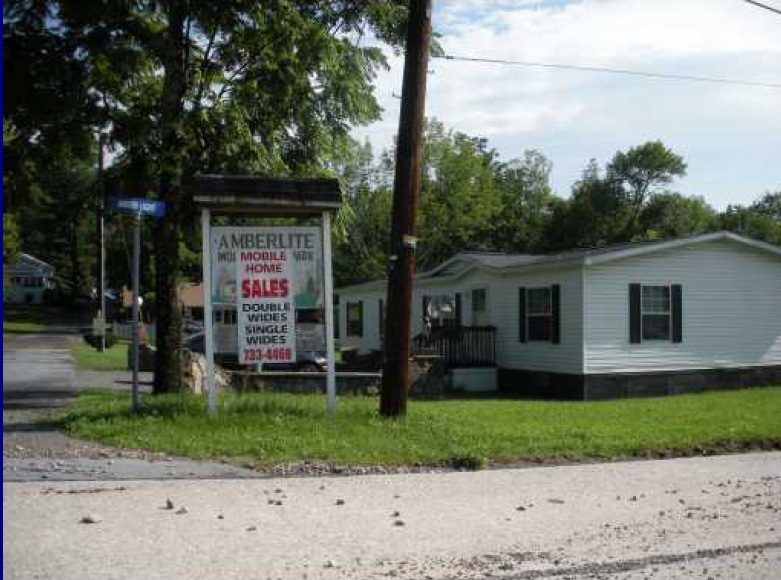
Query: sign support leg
point(328, 304)
point(208, 319)
point(136, 272)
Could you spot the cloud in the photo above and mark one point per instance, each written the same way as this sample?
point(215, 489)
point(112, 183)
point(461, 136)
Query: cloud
point(578, 115)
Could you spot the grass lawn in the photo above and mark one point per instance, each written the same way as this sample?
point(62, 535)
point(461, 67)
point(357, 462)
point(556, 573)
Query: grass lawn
point(89, 359)
point(268, 429)
point(24, 319)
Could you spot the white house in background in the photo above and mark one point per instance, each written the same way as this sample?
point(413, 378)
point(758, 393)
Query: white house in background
point(650, 318)
point(29, 277)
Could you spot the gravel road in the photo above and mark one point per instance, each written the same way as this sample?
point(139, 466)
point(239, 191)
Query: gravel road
point(715, 517)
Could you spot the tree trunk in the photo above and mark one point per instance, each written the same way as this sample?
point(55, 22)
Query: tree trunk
point(168, 357)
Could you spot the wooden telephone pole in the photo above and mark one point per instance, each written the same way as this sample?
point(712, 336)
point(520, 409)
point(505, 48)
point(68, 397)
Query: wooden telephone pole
point(406, 194)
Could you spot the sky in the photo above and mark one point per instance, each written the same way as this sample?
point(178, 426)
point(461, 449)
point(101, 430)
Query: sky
point(729, 135)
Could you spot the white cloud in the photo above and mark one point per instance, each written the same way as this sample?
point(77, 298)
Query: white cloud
point(577, 115)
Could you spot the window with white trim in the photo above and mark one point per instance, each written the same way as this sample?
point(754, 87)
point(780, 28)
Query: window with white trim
point(656, 312)
point(479, 307)
point(355, 318)
point(539, 314)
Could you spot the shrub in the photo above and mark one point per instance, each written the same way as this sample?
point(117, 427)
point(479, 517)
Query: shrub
point(466, 462)
point(92, 339)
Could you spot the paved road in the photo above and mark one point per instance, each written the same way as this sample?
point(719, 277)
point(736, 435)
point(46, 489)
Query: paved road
point(39, 379)
point(716, 517)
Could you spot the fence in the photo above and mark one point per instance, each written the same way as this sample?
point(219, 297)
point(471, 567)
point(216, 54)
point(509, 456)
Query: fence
point(461, 346)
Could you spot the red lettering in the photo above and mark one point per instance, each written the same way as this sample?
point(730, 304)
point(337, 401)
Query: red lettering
point(265, 288)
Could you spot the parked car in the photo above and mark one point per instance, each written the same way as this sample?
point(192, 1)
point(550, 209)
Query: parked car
point(306, 361)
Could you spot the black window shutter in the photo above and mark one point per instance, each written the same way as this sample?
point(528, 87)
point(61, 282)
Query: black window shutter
point(381, 318)
point(677, 309)
point(458, 309)
point(360, 318)
point(521, 314)
point(634, 313)
point(425, 307)
point(555, 310)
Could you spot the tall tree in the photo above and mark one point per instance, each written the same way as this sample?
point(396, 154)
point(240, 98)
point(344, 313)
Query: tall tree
point(184, 87)
point(527, 203)
point(636, 173)
point(459, 198)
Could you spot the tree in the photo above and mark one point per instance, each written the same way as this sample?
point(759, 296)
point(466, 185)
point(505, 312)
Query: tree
point(769, 205)
point(11, 245)
point(57, 223)
point(761, 220)
point(527, 203)
point(592, 215)
point(607, 209)
point(459, 200)
point(184, 87)
point(636, 173)
point(670, 214)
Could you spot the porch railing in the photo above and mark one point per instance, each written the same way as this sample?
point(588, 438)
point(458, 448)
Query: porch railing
point(460, 346)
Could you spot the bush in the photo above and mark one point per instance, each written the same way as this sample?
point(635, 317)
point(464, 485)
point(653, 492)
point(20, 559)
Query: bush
point(55, 297)
point(466, 462)
point(92, 339)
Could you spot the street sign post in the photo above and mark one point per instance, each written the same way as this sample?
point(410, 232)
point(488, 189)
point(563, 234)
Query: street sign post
point(150, 207)
point(138, 207)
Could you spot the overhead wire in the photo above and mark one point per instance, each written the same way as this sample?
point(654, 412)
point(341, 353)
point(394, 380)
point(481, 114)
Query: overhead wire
point(761, 5)
point(583, 68)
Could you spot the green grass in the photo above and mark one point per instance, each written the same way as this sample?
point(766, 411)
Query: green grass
point(89, 359)
point(24, 319)
point(267, 429)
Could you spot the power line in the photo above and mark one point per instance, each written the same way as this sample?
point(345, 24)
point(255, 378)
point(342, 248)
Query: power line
point(613, 71)
point(765, 6)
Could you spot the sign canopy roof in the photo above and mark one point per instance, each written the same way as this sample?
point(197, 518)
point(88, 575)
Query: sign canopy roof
point(265, 195)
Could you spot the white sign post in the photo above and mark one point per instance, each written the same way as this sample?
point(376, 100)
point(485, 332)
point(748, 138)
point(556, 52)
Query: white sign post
point(329, 318)
point(208, 317)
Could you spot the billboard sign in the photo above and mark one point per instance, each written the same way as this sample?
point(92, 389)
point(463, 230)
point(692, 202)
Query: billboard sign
point(264, 257)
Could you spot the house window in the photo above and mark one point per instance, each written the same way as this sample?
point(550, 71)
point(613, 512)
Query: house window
point(355, 319)
point(440, 310)
point(656, 312)
point(539, 316)
point(479, 307)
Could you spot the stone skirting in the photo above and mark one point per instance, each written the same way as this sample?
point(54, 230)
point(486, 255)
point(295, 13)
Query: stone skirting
point(293, 382)
point(545, 385)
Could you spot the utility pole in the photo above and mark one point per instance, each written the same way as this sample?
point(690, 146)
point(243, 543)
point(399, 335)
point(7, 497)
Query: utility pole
point(100, 279)
point(406, 194)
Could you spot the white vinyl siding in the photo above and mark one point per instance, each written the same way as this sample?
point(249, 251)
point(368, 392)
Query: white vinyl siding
point(565, 357)
point(731, 309)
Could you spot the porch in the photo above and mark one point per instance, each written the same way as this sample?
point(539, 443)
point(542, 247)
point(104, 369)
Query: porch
point(460, 346)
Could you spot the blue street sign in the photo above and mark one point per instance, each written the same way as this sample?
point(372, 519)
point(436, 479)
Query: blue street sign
point(138, 205)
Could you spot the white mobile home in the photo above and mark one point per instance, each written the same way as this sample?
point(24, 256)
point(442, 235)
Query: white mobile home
point(650, 318)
